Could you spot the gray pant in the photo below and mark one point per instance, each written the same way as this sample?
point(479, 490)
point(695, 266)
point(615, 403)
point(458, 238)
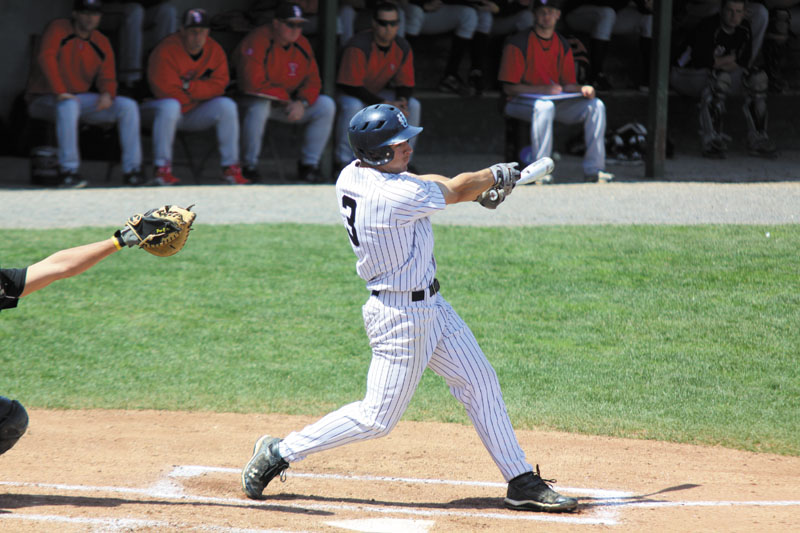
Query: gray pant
point(318, 121)
point(68, 113)
point(541, 113)
point(141, 29)
point(463, 20)
point(165, 117)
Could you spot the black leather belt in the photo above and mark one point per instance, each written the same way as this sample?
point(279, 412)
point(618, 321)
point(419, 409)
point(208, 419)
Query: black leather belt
point(416, 296)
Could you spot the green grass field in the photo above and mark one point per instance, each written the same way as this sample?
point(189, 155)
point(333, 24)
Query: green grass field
point(684, 334)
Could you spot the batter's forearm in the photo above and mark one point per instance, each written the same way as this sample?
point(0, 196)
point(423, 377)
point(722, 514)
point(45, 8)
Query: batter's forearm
point(466, 187)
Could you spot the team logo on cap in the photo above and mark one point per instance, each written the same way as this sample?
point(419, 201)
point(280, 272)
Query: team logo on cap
point(195, 16)
point(402, 118)
point(298, 13)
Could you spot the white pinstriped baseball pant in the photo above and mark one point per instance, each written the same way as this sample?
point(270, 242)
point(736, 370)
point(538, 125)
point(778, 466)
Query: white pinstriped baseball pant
point(406, 338)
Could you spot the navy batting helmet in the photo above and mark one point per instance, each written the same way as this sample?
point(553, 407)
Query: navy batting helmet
point(374, 129)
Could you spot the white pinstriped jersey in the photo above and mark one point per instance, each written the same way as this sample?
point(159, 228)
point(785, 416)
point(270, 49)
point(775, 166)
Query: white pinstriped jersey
point(387, 219)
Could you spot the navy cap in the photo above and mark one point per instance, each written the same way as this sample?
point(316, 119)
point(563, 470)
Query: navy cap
point(555, 4)
point(195, 18)
point(94, 6)
point(289, 11)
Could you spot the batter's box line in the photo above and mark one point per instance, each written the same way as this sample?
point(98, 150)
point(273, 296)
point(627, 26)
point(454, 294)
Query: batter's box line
point(604, 500)
point(168, 490)
point(108, 524)
point(599, 516)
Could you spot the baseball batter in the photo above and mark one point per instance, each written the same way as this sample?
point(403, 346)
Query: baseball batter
point(386, 212)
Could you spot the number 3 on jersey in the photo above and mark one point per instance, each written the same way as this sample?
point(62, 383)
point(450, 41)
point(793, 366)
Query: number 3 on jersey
point(350, 203)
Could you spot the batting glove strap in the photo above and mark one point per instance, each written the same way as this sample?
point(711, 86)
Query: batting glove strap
point(505, 176)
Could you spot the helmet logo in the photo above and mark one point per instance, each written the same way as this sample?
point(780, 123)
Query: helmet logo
point(402, 119)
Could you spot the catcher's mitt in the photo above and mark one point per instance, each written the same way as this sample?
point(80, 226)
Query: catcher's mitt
point(161, 231)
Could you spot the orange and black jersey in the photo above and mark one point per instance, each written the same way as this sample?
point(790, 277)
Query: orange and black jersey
point(170, 65)
point(66, 63)
point(529, 59)
point(284, 72)
point(365, 64)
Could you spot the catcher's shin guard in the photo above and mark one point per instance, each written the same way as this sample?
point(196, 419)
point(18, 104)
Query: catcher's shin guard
point(712, 110)
point(755, 103)
point(755, 112)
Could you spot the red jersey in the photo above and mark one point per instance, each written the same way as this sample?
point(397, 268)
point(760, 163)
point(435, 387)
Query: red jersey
point(170, 65)
point(66, 63)
point(365, 65)
point(531, 60)
point(285, 72)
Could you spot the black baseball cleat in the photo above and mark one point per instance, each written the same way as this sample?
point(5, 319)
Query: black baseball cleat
point(529, 492)
point(265, 464)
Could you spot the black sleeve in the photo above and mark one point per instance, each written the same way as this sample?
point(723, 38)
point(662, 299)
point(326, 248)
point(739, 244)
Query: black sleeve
point(12, 283)
point(404, 92)
point(361, 93)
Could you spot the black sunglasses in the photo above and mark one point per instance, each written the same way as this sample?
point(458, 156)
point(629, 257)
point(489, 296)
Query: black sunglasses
point(293, 25)
point(384, 23)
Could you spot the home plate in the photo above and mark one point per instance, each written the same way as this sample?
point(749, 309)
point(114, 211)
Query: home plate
point(384, 525)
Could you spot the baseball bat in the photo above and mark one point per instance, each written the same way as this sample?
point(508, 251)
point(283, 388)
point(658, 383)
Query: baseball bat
point(536, 170)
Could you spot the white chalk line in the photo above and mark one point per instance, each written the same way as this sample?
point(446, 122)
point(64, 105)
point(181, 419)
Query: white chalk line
point(606, 504)
point(128, 524)
point(196, 470)
point(168, 490)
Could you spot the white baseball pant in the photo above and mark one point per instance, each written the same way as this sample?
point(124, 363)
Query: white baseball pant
point(406, 338)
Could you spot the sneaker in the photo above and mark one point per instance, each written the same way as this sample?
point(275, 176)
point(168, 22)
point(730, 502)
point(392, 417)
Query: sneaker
point(71, 180)
point(134, 178)
point(163, 176)
point(763, 148)
point(233, 174)
point(264, 465)
point(309, 173)
point(600, 177)
point(475, 81)
point(252, 173)
point(529, 492)
point(452, 84)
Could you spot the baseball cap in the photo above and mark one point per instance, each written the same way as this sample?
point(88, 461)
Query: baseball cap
point(289, 11)
point(95, 6)
point(555, 4)
point(195, 18)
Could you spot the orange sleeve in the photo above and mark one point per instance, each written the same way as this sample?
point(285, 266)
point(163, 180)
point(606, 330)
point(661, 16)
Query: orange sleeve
point(512, 65)
point(107, 76)
point(312, 85)
point(250, 56)
point(48, 56)
point(163, 73)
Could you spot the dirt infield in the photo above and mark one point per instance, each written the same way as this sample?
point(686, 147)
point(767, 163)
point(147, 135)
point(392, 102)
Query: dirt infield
point(153, 471)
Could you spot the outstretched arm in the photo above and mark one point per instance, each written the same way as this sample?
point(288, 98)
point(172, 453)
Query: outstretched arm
point(464, 187)
point(67, 263)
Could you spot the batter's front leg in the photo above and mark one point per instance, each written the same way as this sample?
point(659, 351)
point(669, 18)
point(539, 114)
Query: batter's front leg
point(400, 352)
